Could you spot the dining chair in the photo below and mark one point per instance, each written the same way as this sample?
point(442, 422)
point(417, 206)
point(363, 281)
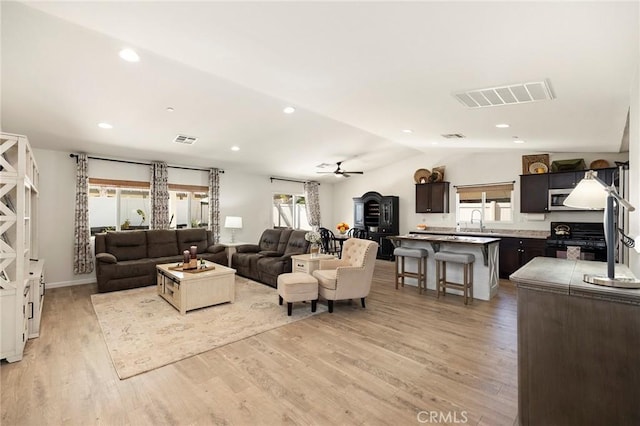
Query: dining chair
point(357, 233)
point(329, 243)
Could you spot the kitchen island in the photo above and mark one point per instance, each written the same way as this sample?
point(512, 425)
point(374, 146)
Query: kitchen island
point(485, 268)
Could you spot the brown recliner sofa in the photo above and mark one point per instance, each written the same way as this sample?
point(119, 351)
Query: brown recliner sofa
point(271, 257)
point(128, 259)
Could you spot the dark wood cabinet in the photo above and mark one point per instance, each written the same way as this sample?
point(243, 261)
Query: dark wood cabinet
point(358, 213)
point(385, 246)
point(432, 197)
point(534, 193)
point(609, 176)
point(563, 180)
point(517, 252)
point(534, 189)
point(379, 216)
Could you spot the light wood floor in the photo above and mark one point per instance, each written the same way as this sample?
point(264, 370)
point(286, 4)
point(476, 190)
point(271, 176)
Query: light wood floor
point(405, 355)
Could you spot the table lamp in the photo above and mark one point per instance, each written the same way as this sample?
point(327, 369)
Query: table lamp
point(591, 193)
point(233, 223)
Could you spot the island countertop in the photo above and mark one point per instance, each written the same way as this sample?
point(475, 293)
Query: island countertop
point(455, 239)
point(500, 233)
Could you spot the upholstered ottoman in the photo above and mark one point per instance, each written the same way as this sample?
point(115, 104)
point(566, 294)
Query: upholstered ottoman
point(297, 287)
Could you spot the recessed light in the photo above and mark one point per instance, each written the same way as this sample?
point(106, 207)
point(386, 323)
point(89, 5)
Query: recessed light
point(170, 109)
point(105, 126)
point(235, 148)
point(289, 110)
point(407, 131)
point(502, 126)
point(518, 141)
point(129, 55)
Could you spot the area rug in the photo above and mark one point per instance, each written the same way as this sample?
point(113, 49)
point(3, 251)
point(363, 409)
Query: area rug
point(143, 332)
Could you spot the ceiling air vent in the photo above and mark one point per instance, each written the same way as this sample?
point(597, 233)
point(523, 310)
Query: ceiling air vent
point(510, 94)
point(453, 136)
point(184, 139)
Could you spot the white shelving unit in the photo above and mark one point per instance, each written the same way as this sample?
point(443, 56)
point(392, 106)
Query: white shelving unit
point(21, 279)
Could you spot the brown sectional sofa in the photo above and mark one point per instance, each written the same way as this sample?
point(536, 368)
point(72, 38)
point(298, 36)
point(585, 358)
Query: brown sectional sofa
point(128, 259)
point(271, 257)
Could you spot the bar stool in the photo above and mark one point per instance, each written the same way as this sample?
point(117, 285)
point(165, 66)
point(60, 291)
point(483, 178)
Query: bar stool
point(466, 260)
point(417, 253)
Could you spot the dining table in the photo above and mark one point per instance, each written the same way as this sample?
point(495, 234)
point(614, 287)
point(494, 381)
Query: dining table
point(341, 238)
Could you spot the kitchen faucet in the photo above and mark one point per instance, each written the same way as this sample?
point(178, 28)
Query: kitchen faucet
point(479, 220)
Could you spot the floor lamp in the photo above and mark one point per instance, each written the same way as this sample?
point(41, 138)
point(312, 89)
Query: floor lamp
point(591, 193)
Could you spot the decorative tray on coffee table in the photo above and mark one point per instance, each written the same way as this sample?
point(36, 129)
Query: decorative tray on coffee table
point(198, 269)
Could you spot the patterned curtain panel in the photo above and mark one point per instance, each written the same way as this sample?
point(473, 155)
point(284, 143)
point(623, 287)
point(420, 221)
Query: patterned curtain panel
point(312, 196)
point(214, 204)
point(82, 256)
point(159, 196)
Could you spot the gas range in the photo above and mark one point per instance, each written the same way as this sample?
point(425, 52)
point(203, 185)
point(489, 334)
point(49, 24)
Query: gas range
point(588, 236)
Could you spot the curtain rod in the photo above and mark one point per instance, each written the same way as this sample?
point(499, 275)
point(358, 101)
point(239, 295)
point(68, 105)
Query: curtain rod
point(290, 180)
point(484, 184)
point(140, 163)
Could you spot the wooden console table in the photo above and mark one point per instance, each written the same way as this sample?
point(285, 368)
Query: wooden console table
point(578, 346)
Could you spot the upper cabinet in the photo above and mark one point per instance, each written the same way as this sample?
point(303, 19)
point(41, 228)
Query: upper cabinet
point(534, 193)
point(534, 189)
point(432, 197)
point(564, 180)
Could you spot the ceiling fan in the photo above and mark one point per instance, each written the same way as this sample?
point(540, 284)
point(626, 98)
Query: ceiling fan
point(344, 173)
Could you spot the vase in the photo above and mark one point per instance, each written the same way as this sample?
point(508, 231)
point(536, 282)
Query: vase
point(314, 250)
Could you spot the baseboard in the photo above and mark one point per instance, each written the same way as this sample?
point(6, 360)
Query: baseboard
point(70, 283)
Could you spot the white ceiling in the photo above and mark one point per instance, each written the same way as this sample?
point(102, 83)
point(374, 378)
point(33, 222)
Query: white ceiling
point(358, 74)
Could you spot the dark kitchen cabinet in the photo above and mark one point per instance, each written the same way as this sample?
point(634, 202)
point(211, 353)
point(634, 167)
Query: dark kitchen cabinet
point(379, 216)
point(432, 197)
point(564, 180)
point(609, 176)
point(534, 193)
point(517, 252)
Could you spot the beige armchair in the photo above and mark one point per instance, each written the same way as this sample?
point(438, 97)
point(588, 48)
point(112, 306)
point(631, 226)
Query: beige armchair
point(348, 277)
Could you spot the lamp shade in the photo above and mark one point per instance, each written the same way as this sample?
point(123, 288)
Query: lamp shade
point(233, 222)
point(589, 194)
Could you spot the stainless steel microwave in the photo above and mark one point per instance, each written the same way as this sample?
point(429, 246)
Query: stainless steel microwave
point(557, 197)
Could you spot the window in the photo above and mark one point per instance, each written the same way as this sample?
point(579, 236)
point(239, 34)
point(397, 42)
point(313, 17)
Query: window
point(188, 206)
point(489, 203)
point(118, 205)
point(125, 205)
point(290, 211)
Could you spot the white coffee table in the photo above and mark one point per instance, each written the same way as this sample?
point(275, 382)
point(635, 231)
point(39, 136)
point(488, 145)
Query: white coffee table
point(187, 290)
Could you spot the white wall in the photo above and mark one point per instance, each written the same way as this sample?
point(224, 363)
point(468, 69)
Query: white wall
point(241, 194)
point(56, 213)
point(462, 168)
